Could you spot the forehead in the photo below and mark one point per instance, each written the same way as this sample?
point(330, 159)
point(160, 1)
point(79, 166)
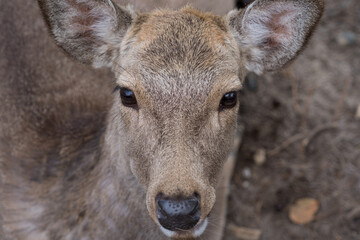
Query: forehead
point(181, 52)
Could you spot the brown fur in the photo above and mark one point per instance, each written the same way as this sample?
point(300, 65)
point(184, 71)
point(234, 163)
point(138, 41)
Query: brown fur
point(77, 164)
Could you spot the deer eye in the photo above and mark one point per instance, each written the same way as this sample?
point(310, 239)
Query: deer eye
point(229, 100)
point(128, 98)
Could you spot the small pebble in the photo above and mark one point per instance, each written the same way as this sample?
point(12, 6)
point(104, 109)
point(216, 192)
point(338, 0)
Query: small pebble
point(260, 156)
point(346, 38)
point(246, 173)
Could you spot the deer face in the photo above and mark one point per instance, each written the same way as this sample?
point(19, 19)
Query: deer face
point(178, 74)
point(181, 70)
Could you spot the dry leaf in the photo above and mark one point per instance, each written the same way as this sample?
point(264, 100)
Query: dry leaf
point(260, 156)
point(245, 233)
point(304, 210)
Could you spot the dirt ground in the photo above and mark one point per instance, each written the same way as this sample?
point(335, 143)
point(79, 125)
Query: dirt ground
point(305, 120)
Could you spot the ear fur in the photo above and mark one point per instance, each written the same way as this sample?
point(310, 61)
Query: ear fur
point(89, 30)
point(270, 33)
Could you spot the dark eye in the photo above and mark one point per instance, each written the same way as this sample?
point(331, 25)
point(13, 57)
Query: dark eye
point(229, 100)
point(128, 98)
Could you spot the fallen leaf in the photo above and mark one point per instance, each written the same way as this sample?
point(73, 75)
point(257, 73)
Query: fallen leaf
point(244, 233)
point(260, 156)
point(304, 210)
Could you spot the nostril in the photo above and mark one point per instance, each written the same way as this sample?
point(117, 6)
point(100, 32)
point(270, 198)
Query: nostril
point(178, 213)
point(178, 207)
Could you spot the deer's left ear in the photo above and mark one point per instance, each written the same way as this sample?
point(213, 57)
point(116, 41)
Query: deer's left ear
point(270, 33)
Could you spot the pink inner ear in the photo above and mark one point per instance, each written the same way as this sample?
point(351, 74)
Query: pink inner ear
point(271, 25)
point(281, 26)
point(82, 6)
point(82, 18)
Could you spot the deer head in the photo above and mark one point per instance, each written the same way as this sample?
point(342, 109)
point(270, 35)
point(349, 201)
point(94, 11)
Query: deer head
point(178, 74)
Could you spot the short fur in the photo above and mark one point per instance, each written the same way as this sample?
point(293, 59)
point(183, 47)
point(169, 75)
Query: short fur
point(77, 164)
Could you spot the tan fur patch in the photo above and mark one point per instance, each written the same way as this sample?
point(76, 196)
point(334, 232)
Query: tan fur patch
point(213, 27)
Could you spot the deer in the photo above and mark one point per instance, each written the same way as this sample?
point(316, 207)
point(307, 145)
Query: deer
point(153, 158)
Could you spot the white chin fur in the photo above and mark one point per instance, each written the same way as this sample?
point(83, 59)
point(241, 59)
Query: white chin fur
point(167, 232)
point(198, 230)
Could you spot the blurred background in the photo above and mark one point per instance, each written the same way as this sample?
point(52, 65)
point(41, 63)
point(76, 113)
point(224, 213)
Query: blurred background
point(298, 168)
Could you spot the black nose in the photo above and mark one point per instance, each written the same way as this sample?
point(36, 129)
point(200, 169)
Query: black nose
point(178, 213)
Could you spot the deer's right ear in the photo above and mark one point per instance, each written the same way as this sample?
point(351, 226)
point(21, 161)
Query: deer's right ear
point(89, 30)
